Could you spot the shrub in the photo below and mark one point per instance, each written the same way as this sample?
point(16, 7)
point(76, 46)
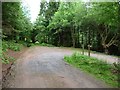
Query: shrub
point(11, 45)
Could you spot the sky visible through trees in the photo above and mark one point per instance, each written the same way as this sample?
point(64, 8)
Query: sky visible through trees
point(33, 7)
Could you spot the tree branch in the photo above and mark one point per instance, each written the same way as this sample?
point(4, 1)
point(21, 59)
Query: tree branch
point(112, 41)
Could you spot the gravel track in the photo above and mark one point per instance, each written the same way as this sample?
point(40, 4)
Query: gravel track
point(44, 67)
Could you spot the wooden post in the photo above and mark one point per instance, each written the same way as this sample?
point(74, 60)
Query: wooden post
point(89, 50)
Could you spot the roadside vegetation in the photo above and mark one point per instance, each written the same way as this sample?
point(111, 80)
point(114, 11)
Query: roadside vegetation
point(42, 44)
point(109, 73)
point(12, 46)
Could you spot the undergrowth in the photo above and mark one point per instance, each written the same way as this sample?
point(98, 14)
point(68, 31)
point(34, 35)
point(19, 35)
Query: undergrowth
point(42, 44)
point(7, 59)
point(9, 45)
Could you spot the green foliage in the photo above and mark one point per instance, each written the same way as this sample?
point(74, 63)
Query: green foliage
point(16, 26)
point(110, 11)
point(45, 44)
point(74, 24)
point(78, 23)
point(95, 67)
point(41, 32)
point(11, 45)
point(6, 59)
point(42, 44)
point(16, 22)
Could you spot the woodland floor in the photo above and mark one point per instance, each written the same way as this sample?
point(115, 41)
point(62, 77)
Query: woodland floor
point(44, 67)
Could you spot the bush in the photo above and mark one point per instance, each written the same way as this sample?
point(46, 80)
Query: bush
point(11, 45)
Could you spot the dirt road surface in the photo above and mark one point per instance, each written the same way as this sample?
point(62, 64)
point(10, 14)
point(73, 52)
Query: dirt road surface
point(44, 67)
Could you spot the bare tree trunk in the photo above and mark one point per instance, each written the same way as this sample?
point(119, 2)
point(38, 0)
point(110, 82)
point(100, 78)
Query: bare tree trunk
point(104, 36)
point(73, 41)
point(89, 50)
point(106, 51)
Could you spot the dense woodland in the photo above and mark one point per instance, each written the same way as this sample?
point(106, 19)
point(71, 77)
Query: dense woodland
point(68, 24)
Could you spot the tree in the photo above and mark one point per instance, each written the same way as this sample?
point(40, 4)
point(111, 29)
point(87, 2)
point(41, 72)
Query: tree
point(41, 32)
point(15, 21)
point(78, 24)
point(107, 24)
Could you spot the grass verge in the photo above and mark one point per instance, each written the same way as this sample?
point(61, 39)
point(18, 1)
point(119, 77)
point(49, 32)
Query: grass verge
point(107, 72)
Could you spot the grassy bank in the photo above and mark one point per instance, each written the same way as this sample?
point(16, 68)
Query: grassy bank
point(106, 72)
point(12, 46)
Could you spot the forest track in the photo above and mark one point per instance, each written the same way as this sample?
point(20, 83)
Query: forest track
point(43, 67)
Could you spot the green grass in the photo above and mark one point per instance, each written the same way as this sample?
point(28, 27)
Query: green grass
point(106, 72)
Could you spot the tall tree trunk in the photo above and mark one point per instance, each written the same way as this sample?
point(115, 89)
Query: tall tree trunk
point(74, 41)
point(73, 37)
point(78, 37)
point(106, 49)
point(59, 39)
